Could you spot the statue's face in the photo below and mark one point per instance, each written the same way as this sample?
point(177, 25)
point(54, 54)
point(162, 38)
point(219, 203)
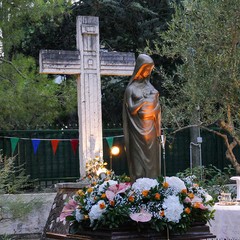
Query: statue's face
point(144, 71)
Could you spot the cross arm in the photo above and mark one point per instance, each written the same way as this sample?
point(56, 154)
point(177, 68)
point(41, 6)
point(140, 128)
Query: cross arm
point(68, 62)
point(59, 62)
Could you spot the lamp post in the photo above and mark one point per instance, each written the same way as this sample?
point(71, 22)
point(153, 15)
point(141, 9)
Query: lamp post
point(114, 151)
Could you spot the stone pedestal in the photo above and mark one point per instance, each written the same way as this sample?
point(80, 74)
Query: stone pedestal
point(53, 224)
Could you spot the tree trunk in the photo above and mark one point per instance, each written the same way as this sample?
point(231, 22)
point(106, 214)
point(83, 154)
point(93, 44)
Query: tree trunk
point(195, 147)
point(196, 158)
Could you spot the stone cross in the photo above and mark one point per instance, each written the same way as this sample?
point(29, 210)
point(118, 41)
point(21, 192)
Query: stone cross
point(88, 63)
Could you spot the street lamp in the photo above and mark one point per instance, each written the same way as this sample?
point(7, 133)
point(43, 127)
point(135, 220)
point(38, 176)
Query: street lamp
point(114, 151)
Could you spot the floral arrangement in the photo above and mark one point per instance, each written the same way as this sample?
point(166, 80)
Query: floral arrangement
point(159, 204)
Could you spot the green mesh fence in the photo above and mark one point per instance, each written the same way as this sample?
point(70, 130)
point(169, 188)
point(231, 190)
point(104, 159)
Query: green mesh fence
point(34, 149)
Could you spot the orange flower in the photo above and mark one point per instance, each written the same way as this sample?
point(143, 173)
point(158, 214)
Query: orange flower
point(108, 172)
point(103, 195)
point(112, 203)
point(196, 204)
point(80, 192)
point(157, 196)
point(86, 217)
point(145, 193)
point(102, 205)
point(184, 191)
point(195, 185)
point(94, 183)
point(187, 210)
point(131, 199)
point(90, 190)
point(165, 185)
point(161, 213)
point(191, 195)
point(199, 205)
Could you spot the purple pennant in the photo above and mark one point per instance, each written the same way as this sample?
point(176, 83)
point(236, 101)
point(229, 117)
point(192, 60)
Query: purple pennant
point(35, 143)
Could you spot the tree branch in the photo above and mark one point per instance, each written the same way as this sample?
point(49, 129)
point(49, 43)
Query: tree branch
point(16, 69)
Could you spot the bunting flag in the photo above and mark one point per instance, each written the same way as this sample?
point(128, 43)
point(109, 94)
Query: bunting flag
point(14, 142)
point(35, 143)
point(54, 143)
point(109, 141)
point(74, 143)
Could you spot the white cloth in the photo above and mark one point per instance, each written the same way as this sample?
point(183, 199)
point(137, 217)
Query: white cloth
point(226, 225)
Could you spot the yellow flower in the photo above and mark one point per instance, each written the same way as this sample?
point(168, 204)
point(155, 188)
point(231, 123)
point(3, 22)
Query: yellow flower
point(127, 179)
point(89, 190)
point(80, 192)
point(103, 195)
point(94, 183)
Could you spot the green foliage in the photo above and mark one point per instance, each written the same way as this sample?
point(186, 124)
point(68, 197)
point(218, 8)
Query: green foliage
point(28, 27)
point(28, 99)
point(204, 34)
point(5, 237)
point(21, 18)
point(112, 99)
point(12, 178)
point(212, 179)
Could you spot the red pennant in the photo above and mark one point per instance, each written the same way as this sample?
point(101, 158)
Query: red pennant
point(74, 143)
point(54, 143)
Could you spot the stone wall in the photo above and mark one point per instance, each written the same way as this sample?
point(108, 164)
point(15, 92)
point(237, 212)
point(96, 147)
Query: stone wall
point(23, 214)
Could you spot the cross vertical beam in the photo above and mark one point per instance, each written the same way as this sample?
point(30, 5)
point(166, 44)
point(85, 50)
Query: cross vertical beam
point(89, 91)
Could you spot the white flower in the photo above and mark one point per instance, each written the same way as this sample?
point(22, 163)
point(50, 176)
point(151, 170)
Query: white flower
point(172, 208)
point(208, 197)
point(79, 216)
point(103, 186)
point(197, 199)
point(175, 183)
point(144, 184)
point(96, 211)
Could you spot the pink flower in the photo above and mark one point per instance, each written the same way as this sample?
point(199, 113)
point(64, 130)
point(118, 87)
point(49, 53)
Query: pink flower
point(187, 200)
point(68, 209)
point(142, 216)
point(116, 189)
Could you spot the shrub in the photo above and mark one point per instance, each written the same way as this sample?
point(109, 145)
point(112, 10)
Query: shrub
point(12, 178)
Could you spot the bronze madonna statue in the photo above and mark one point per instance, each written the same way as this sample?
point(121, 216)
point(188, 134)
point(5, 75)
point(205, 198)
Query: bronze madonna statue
point(142, 122)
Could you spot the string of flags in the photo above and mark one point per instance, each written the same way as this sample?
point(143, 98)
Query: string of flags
point(54, 142)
